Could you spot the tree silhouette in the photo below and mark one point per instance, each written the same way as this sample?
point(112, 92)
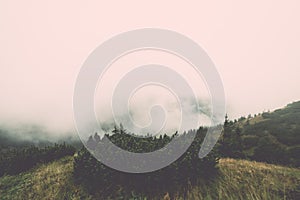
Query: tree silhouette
point(97, 138)
point(91, 143)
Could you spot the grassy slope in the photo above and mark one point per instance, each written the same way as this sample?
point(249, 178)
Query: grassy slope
point(48, 181)
point(241, 179)
point(238, 179)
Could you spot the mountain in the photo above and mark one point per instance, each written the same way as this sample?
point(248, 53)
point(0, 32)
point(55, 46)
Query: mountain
point(283, 124)
point(272, 137)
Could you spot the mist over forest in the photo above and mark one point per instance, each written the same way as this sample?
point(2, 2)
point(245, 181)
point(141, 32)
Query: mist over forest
point(28, 134)
point(269, 138)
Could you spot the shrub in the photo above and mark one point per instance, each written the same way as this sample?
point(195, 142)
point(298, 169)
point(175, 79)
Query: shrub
point(189, 168)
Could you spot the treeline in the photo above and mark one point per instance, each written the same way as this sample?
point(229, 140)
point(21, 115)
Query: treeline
point(16, 160)
point(272, 137)
point(109, 183)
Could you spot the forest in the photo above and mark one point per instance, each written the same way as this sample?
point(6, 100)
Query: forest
point(100, 179)
point(270, 137)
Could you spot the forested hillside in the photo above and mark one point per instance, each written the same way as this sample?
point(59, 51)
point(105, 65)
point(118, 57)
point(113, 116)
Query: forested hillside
point(60, 171)
point(272, 137)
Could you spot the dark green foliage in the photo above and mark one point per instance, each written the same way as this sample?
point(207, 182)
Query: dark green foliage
point(272, 137)
point(189, 168)
point(16, 160)
point(268, 149)
point(293, 155)
point(231, 143)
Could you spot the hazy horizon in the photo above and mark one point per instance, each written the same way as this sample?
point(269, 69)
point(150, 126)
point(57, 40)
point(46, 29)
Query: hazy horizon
point(255, 49)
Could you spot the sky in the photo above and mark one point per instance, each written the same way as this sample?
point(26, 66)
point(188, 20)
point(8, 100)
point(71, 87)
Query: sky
point(255, 46)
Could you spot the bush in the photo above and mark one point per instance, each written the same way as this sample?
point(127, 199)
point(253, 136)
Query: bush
point(189, 168)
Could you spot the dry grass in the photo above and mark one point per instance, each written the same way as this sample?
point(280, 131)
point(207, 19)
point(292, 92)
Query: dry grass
point(237, 179)
point(241, 179)
point(49, 181)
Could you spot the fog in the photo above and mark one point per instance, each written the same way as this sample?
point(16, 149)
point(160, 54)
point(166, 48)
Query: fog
point(255, 47)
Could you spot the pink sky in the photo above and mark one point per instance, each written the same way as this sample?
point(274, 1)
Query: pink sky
point(254, 45)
